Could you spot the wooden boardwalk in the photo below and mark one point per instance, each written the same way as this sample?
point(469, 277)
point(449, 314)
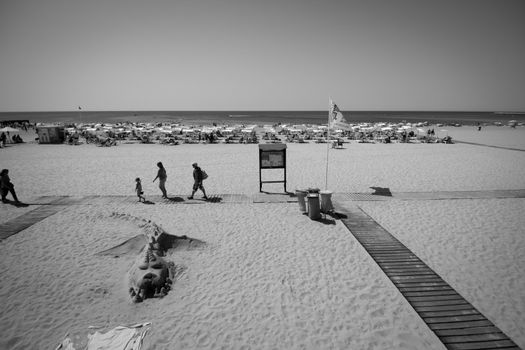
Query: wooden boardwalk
point(47, 207)
point(456, 322)
point(485, 145)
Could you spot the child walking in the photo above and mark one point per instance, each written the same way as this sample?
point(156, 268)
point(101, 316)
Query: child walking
point(138, 189)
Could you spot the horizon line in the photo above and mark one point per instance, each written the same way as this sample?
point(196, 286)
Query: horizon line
point(269, 110)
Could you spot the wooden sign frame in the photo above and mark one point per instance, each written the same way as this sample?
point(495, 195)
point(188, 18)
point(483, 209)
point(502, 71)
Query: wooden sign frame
point(272, 156)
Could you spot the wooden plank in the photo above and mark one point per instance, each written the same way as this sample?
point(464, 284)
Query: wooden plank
point(467, 331)
point(396, 259)
point(416, 278)
point(429, 308)
point(419, 284)
point(429, 293)
point(497, 344)
point(388, 252)
point(474, 338)
point(457, 325)
point(383, 249)
point(409, 273)
point(450, 319)
point(396, 253)
point(423, 289)
point(435, 298)
point(471, 311)
point(395, 265)
point(439, 303)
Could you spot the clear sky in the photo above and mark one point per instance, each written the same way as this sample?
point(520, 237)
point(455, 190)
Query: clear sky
point(262, 55)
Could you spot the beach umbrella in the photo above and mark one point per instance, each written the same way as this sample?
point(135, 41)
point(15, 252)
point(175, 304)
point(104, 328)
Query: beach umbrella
point(9, 129)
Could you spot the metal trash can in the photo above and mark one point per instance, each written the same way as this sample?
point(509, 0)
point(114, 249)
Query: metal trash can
point(301, 199)
point(326, 201)
point(312, 190)
point(314, 210)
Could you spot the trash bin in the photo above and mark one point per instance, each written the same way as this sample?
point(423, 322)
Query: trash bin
point(312, 190)
point(314, 211)
point(326, 201)
point(301, 199)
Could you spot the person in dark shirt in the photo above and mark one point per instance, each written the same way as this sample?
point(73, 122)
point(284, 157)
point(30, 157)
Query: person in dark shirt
point(6, 186)
point(197, 178)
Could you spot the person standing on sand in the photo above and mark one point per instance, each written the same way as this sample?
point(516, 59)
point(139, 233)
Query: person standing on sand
point(6, 186)
point(162, 176)
point(198, 178)
point(138, 189)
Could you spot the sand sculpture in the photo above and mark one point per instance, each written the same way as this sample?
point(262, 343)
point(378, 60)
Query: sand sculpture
point(151, 274)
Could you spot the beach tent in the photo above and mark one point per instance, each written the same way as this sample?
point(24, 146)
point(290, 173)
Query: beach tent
point(50, 134)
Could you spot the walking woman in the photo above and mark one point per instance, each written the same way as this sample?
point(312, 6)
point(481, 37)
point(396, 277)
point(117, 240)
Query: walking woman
point(162, 176)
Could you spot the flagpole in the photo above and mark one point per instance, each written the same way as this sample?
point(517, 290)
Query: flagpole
point(328, 143)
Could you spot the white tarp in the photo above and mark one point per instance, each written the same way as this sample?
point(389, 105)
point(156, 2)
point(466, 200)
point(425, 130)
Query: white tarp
point(119, 338)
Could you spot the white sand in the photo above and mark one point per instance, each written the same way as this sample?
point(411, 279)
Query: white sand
point(476, 245)
point(269, 277)
point(89, 170)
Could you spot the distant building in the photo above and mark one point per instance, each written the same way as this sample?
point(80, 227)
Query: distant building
point(51, 134)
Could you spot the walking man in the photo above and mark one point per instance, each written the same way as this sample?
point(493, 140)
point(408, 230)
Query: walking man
point(197, 178)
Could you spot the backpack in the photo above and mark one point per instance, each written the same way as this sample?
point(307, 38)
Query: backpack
point(204, 175)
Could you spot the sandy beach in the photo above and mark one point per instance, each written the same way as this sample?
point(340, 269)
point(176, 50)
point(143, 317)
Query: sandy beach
point(268, 277)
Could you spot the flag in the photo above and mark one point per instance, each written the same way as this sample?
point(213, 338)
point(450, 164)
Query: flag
point(337, 120)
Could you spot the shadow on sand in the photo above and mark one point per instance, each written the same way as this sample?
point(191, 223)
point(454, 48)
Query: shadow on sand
point(17, 204)
point(381, 191)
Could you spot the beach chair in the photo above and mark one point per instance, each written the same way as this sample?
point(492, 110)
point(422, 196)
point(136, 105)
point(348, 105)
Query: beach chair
point(337, 144)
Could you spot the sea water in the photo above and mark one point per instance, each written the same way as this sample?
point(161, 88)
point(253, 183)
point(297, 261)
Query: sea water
point(260, 117)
